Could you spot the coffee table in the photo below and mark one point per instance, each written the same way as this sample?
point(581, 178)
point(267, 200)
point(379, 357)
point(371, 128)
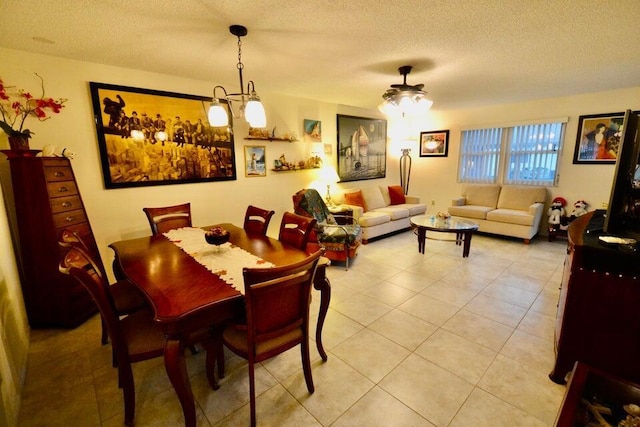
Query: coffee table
point(462, 227)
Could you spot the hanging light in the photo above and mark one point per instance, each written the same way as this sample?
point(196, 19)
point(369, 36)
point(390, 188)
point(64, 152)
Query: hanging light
point(402, 99)
point(250, 105)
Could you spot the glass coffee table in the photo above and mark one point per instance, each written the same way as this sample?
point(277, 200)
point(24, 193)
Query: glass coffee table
point(462, 227)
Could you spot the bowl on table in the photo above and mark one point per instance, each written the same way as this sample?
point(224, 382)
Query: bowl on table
point(217, 236)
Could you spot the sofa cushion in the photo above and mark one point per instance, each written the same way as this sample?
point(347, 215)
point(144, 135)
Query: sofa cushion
point(384, 190)
point(395, 212)
point(396, 195)
point(414, 208)
point(477, 212)
point(372, 198)
point(521, 196)
point(481, 194)
point(355, 198)
point(511, 216)
point(371, 218)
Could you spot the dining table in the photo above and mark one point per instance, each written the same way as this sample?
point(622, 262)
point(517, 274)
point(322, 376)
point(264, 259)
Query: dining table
point(186, 296)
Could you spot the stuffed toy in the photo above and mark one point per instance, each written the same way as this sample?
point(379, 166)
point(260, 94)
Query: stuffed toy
point(53, 151)
point(579, 209)
point(556, 212)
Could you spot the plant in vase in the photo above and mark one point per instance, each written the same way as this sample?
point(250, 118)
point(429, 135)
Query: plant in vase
point(16, 105)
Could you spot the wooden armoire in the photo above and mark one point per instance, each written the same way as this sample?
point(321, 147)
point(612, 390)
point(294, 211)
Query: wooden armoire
point(43, 201)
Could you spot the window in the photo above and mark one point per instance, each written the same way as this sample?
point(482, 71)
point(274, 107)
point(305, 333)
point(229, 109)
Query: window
point(521, 154)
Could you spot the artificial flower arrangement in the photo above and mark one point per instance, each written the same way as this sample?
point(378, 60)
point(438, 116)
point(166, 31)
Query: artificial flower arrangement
point(17, 105)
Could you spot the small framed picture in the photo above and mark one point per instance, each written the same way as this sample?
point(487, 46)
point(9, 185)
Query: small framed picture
point(434, 143)
point(254, 161)
point(598, 138)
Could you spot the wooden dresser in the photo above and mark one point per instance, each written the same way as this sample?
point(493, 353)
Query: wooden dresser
point(45, 201)
point(598, 320)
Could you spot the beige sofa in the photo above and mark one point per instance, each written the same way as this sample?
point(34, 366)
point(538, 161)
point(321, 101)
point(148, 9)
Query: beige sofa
point(509, 210)
point(380, 217)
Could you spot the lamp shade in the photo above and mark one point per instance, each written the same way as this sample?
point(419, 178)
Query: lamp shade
point(217, 114)
point(254, 113)
point(329, 174)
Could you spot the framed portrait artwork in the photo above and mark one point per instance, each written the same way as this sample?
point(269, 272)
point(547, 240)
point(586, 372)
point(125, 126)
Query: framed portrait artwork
point(148, 137)
point(598, 138)
point(362, 148)
point(254, 161)
point(434, 143)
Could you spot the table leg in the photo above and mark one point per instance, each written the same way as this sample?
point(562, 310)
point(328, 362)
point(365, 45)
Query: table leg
point(176, 368)
point(467, 244)
point(422, 237)
point(321, 283)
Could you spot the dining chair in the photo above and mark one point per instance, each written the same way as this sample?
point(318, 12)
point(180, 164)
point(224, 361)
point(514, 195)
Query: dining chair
point(295, 230)
point(135, 337)
point(125, 296)
point(163, 219)
point(277, 318)
point(256, 220)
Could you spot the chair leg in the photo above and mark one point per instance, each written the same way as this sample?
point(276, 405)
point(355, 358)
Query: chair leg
point(105, 335)
point(211, 348)
point(252, 393)
point(306, 366)
point(193, 349)
point(129, 393)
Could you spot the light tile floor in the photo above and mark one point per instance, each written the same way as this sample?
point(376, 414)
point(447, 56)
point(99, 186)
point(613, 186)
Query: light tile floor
point(413, 340)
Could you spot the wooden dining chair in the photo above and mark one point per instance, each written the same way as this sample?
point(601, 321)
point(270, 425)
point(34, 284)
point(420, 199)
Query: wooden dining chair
point(135, 337)
point(277, 317)
point(256, 220)
point(295, 230)
point(125, 296)
point(167, 218)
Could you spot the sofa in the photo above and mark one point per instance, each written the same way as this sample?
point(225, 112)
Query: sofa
point(381, 210)
point(508, 210)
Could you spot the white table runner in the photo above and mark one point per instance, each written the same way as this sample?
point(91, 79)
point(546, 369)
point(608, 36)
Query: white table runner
point(226, 260)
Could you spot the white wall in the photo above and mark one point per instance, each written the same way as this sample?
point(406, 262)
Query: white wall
point(117, 214)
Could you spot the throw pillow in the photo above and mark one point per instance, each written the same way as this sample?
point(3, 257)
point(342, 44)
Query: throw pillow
point(373, 198)
point(355, 198)
point(396, 194)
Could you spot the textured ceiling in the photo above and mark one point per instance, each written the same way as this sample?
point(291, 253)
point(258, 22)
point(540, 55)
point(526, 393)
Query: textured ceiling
point(468, 53)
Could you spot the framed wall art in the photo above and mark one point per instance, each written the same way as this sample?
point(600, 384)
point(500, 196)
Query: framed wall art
point(434, 143)
point(312, 130)
point(149, 137)
point(598, 138)
point(254, 160)
point(362, 148)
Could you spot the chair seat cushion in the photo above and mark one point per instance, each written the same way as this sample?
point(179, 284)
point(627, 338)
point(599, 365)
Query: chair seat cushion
point(235, 337)
point(126, 297)
point(337, 234)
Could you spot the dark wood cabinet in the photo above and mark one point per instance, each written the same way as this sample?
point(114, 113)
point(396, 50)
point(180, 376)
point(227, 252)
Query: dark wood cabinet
point(45, 200)
point(598, 320)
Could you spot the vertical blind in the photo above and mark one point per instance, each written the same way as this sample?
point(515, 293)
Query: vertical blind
point(480, 155)
point(533, 154)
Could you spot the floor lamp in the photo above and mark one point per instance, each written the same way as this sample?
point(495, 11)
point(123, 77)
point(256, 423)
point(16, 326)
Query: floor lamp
point(405, 169)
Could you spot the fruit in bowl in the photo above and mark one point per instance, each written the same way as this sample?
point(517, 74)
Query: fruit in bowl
point(216, 236)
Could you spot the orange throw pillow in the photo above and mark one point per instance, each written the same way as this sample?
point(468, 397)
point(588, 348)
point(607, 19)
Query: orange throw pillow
point(396, 194)
point(355, 198)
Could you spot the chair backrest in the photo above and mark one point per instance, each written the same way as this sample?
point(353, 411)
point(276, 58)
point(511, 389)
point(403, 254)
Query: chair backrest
point(71, 238)
point(78, 263)
point(295, 230)
point(168, 218)
point(277, 304)
point(308, 202)
point(256, 220)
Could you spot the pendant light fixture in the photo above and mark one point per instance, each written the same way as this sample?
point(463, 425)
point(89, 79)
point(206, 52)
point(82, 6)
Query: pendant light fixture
point(250, 105)
point(405, 100)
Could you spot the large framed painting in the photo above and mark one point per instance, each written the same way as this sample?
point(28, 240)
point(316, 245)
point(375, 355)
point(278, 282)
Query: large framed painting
point(362, 148)
point(598, 138)
point(434, 143)
point(148, 137)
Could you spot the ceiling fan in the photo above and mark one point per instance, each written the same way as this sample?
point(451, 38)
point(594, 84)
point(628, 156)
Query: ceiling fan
point(403, 99)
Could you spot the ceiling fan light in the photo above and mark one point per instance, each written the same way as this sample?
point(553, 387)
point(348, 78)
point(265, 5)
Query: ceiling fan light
point(217, 114)
point(254, 112)
point(424, 105)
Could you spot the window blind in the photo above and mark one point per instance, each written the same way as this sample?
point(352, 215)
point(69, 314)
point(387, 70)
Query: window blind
point(532, 156)
point(479, 155)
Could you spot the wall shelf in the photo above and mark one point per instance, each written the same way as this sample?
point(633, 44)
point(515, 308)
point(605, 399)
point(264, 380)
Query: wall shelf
point(258, 138)
point(297, 169)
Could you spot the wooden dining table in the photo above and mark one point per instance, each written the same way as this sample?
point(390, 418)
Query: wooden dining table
point(187, 297)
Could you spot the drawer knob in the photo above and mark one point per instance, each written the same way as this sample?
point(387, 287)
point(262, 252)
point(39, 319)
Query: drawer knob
point(70, 219)
point(58, 174)
point(63, 189)
point(67, 204)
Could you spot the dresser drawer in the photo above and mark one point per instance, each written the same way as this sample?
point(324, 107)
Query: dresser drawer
point(63, 204)
point(64, 219)
point(58, 173)
point(62, 188)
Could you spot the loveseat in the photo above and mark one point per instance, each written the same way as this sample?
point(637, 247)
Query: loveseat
point(381, 210)
point(508, 210)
